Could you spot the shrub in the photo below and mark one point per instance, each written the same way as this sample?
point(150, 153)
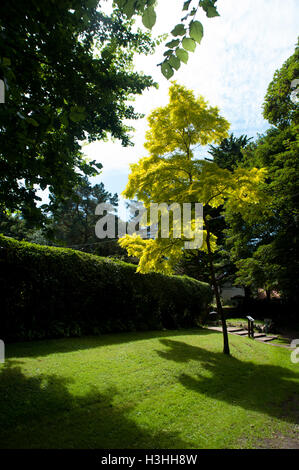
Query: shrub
point(54, 292)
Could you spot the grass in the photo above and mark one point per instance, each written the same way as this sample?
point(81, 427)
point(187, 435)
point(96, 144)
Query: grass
point(281, 340)
point(170, 389)
point(242, 321)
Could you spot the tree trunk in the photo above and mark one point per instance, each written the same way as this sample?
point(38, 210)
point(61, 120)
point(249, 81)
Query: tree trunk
point(217, 294)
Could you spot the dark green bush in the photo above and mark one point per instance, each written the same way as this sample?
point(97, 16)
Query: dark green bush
point(53, 292)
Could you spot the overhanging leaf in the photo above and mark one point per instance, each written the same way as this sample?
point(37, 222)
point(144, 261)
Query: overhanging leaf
point(209, 8)
point(167, 70)
point(173, 43)
point(149, 17)
point(186, 5)
point(182, 55)
point(196, 31)
point(189, 44)
point(179, 30)
point(129, 8)
point(174, 62)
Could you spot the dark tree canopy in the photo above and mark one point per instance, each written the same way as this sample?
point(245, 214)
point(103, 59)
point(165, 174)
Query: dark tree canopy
point(277, 150)
point(72, 222)
point(266, 250)
point(68, 75)
point(69, 223)
point(229, 153)
point(280, 107)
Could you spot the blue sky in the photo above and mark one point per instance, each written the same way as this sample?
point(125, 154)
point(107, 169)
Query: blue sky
point(231, 68)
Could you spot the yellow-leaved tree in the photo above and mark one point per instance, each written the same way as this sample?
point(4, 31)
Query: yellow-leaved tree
point(171, 174)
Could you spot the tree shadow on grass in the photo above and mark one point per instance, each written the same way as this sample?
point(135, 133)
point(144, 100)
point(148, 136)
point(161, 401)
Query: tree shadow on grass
point(63, 345)
point(266, 388)
point(40, 412)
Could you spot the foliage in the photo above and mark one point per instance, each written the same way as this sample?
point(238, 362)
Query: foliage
point(281, 106)
point(272, 243)
point(68, 75)
point(259, 271)
point(73, 221)
point(185, 35)
point(171, 174)
point(265, 249)
point(54, 292)
point(12, 225)
point(15, 226)
point(229, 154)
point(69, 223)
point(277, 230)
point(186, 121)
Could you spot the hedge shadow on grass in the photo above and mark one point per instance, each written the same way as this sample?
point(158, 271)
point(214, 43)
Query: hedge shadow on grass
point(40, 412)
point(263, 388)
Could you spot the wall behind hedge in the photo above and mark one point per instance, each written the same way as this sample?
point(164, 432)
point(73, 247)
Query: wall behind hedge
point(53, 292)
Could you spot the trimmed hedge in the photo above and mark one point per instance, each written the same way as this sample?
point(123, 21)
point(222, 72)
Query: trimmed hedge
point(54, 292)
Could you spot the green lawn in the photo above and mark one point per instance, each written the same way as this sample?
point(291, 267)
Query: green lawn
point(243, 321)
point(170, 389)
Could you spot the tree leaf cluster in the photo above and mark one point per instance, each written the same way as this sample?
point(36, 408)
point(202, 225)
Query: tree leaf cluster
point(68, 74)
point(186, 34)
